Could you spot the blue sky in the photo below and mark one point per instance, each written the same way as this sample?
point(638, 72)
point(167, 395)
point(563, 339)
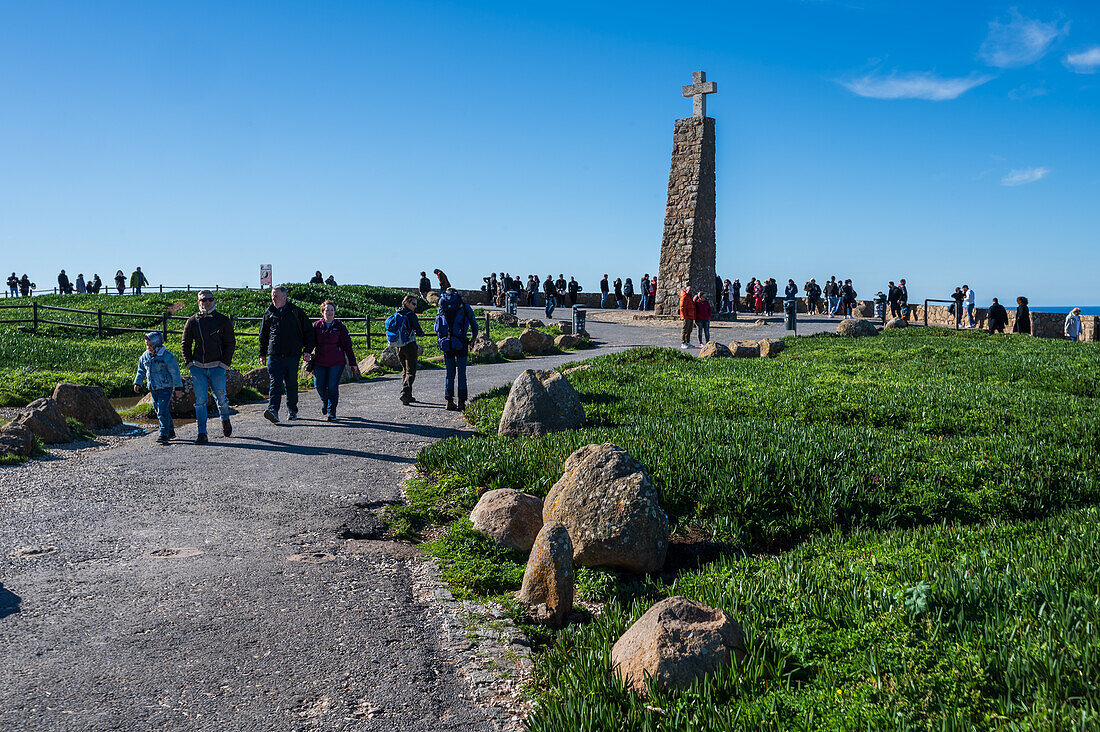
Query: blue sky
point(941, 142)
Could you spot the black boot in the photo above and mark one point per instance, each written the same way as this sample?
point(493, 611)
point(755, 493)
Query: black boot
point(451, 405)
point(461, 401)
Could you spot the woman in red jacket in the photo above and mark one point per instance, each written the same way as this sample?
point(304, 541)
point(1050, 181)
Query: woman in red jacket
point(332, 353)
point(702, 318)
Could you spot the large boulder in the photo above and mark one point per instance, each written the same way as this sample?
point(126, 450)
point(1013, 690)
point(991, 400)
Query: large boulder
point(483, 349)
point(432, 297)
point(535, 341)
point(510, 348)
point(43, 418)
point(17, 440)
point(509, 517)
point(369, 366)
point(745, 349)
point(568, 341)
point(675, 643)
point(771, 347)
point(864, 309)
point(86, 404)
point(564, 327)
point(714, 349)
point(611, 510)
point(896, 323)
point(541, 402)
point(502, 318)
point(532, 323)
point(856, 328)
point(258, 380)
point(548, 580)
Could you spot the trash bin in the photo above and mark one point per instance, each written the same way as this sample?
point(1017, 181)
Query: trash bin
point(790, 315)
point(880, 306)
point(511, 302)
point(579, 316)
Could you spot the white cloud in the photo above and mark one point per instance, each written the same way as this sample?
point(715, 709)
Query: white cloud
point(1024, 176)
point(912, 85)
point(1086, 62)
point(1019, 41)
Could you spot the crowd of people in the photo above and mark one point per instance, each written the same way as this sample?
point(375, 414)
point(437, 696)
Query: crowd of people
point(287, 339)
point(24, 287)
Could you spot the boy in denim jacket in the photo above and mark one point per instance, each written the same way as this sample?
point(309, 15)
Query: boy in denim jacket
point(159, 367)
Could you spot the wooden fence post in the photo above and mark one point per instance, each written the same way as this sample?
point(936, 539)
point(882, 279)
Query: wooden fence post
point(99, 322)
point(486, 325)
point(162, 289)
point(35, 308)
point(164, 326)
point(368, 332)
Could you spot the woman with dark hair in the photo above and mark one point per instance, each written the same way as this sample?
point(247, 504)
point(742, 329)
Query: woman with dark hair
point(317, 278)
point(1023, 317)
point(332, 353)
point(120, 282)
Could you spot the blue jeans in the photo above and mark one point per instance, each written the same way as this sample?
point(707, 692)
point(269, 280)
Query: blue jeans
point(603, 299)
point(550, 305)
point(326, 380)
point(456, 366)
point(970, 314)
point(282, 370)
point(643, 304)
point(162, 398)
point(205, 380)
point(703, 328)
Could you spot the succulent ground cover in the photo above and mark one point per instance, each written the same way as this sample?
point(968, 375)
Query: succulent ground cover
point(906, 527)
point(32, 364)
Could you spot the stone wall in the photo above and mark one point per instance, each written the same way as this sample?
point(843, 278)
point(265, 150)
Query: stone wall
point(687, 247)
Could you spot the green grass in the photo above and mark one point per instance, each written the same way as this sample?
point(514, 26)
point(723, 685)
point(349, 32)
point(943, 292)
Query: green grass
point(905, 526)
point(32, 364)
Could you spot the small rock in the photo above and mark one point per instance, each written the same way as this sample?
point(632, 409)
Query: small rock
point(896, 323)
point(258, 380)
point(548, 580)
point(483, 348)
point(432, 297)
point(541, 402)
point(502, 318)
point(745, 349)
point(390, 360)
point(714, 349)
point(86, 404)
point(16, 440)
point(532, 323)
point(369, 366)
point(568, 342)
point(856, 328)
point(611, 509)
point(771, 347)
point(675, 643)
point(509, 517)
point(510, 348)
point(362, 526)
point(535, 341)
point(43, 418)
point(760, 321)
point(564, 327)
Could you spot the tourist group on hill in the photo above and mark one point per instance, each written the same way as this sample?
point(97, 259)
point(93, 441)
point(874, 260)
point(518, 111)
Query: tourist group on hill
point(287, 340)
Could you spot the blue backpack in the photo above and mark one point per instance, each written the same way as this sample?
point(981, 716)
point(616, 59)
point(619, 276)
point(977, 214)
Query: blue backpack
point(399, 331)
point(451, 324)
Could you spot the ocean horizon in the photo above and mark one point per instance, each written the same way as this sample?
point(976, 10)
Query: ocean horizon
point(1085, 309)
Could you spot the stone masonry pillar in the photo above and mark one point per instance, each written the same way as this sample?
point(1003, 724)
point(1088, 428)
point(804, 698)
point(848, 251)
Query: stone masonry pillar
point(687, 247)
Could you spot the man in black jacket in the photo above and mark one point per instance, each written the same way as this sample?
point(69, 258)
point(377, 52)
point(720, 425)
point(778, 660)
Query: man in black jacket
point(63, 285)
point(208, 345)
point(284, 335)
point(425, 285)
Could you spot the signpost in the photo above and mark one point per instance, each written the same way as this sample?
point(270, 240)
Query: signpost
point(265, 276)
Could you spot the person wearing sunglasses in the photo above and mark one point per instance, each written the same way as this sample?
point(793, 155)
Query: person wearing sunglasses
point(208, 345)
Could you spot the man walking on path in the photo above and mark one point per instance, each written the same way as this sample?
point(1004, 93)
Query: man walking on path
point(285, 334)
point(208, 346)
point(455, 318)
point(687, 314)
point(138, 280)
point(551, 294)
point(406, 329)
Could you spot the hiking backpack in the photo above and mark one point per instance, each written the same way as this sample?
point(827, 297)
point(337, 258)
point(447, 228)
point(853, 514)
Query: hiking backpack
point(399, 331)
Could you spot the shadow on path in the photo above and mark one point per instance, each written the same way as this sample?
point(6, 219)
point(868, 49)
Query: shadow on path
point(9, 602)
point(259, 443)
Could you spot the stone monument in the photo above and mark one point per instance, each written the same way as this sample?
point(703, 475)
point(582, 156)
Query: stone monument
point(687, 247)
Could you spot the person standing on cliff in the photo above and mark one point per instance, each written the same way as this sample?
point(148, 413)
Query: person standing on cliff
point(551, 294)
point(971, 302)
point(997, 317)
point(425, 285)
point(208, 344)
point(1072, 327)
point(444, 283)
point(687, 314)
point(1022, 324)
point(138, 280)
point(604, 289)
point(643, 303)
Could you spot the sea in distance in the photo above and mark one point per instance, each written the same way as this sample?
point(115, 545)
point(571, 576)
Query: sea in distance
point(1085, 309)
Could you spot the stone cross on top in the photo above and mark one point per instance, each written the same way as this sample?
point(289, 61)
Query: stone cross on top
point(698, 90)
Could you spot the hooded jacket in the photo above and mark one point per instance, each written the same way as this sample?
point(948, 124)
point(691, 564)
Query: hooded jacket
point(687, 307)
point(208, 341)
point(160, 369)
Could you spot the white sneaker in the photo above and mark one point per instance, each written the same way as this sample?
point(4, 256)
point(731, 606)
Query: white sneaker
point(684, 345)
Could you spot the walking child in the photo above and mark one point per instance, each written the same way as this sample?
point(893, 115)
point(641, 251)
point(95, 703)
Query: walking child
point(158, 367)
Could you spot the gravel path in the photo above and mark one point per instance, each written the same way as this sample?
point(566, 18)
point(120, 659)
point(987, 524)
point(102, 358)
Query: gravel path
point(204, 587)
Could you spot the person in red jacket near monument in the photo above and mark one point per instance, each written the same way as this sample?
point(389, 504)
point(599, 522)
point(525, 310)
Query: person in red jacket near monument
point(687, 314)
